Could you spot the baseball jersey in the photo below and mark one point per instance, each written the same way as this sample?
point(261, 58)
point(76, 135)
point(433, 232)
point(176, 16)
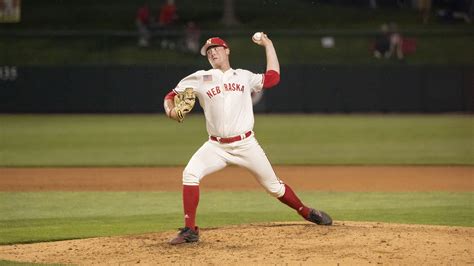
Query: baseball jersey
point(225, 98)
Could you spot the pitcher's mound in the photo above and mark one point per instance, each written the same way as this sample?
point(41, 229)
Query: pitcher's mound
point(268, 243)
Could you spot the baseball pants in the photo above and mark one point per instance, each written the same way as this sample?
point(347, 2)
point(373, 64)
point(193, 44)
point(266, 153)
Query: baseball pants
point(213, 156)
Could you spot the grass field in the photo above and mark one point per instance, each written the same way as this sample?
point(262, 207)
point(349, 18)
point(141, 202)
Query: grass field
point(47, 216)
point(154, 140)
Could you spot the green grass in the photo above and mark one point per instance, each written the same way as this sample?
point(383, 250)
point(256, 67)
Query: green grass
point(47, 216)
point(105, 140)
point(154, 140)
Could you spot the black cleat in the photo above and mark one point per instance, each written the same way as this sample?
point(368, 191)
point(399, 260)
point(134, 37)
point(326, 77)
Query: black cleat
point(186, 235)
point(319, 217)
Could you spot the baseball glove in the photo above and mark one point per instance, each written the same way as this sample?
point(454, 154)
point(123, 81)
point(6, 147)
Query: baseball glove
point(184, 103)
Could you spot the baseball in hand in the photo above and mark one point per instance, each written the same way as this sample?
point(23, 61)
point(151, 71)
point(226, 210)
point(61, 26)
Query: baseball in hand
point(257, 36)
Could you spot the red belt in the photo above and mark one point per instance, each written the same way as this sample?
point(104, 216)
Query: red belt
point(231, 139)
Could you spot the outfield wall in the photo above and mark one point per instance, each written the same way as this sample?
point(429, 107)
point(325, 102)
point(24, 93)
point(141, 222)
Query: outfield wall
point(304, 88)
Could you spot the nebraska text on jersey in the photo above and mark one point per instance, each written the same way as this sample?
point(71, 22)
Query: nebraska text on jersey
point(227, 87)
point(233, 87)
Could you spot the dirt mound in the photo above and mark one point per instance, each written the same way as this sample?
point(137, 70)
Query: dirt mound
point(309, 178)
point(348, 243)
point(269, 243)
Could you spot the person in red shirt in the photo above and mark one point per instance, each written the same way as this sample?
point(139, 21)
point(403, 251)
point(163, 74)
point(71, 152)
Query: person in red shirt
point(167, 14)
point(167, 18)
point(143, 22)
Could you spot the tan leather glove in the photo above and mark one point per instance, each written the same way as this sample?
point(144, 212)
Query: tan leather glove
point(184, 103)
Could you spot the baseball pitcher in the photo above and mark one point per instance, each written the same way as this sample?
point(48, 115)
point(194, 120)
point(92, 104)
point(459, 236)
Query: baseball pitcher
point(225, 96)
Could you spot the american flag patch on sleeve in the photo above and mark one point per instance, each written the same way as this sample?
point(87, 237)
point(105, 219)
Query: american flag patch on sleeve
point(207, 78)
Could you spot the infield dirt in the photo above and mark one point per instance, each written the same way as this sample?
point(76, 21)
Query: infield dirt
point(349, 243)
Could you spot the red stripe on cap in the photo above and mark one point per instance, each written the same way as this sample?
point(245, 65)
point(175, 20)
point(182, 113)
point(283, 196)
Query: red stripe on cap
point(214, 41)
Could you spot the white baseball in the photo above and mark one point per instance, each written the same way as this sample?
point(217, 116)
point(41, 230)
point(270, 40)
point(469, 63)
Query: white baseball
point(257, 36)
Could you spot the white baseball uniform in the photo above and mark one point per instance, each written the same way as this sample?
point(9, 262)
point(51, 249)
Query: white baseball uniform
point(226, 100)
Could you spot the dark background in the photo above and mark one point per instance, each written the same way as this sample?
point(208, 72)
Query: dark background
point(81, 56)
point(307, 88)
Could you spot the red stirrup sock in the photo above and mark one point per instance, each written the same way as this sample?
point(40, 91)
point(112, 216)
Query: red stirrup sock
point(290, 199)
point(190, 203)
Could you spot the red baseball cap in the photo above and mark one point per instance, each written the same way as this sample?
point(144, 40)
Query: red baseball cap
point(214, 41)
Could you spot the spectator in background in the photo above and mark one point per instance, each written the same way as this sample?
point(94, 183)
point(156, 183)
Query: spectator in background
point(192, 37)
point(167, 16)
point(143, 22)
point(424, 6)
point(382, 42)
point(396, 41)
point(167, 19)
point(388, 42)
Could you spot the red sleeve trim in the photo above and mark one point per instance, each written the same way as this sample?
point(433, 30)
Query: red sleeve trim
point(270, 79)
point(170, 95)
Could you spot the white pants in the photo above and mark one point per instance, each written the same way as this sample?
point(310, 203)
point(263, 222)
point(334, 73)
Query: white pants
point(214, 156)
